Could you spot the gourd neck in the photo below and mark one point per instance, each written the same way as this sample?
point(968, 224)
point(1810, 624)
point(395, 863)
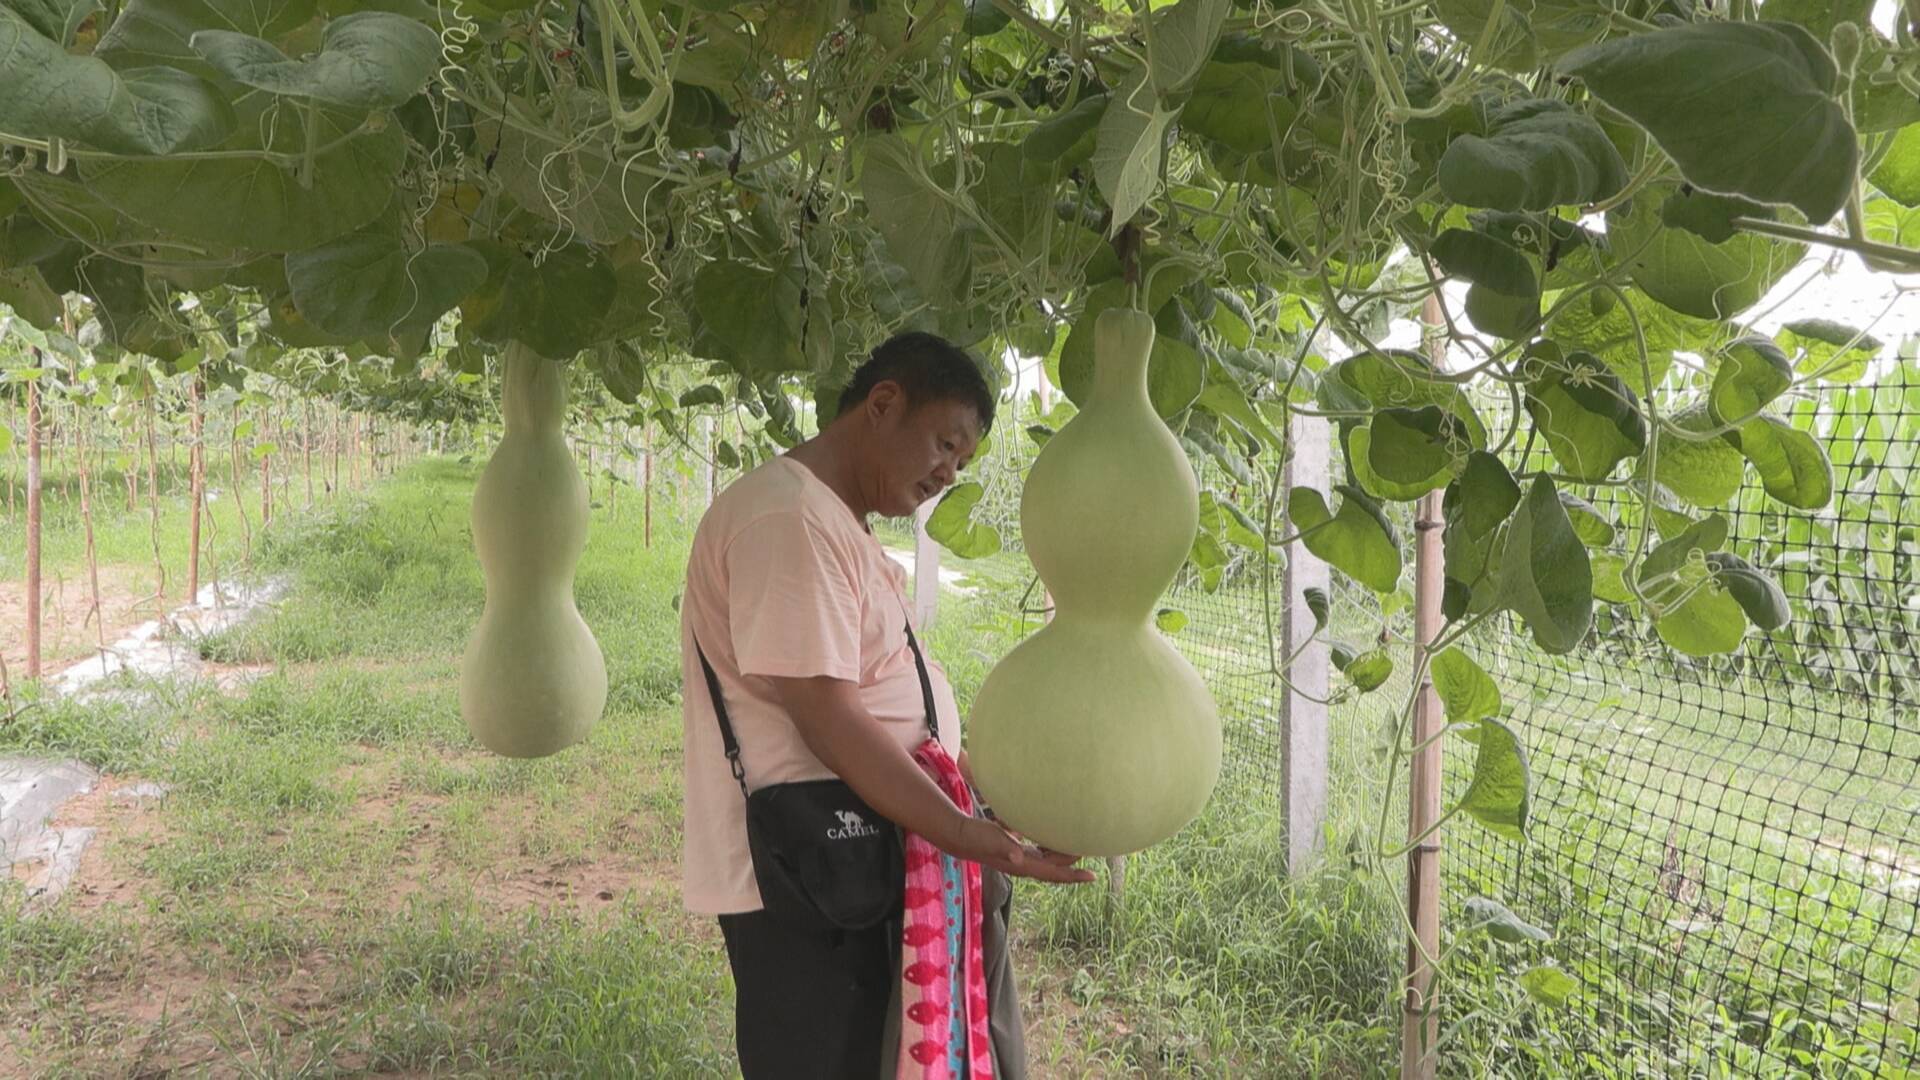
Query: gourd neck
point(1122, 342)
point(533, 396)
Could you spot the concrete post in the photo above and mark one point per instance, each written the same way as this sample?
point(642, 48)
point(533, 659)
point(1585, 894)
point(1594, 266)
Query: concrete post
point(1303, 719)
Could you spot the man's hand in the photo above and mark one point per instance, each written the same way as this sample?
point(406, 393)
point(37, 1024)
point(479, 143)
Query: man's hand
point(991, 844)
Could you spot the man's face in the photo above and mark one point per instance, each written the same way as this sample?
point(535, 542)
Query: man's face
point(918, 451)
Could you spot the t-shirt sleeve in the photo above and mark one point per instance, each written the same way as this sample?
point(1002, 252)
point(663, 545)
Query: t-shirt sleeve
point(791, 602)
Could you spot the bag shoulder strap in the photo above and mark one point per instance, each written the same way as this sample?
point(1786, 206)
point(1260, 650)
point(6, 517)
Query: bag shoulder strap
point(732, 744)
point(926, 686)
point(727, 740)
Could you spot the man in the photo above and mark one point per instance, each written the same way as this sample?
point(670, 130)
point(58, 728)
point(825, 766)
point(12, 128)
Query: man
point(803, 617)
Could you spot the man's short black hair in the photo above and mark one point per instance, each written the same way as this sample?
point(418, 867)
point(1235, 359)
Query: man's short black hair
point(929, 368)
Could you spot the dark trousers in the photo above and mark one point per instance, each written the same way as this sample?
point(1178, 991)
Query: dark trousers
point(809, 1006)
point(826, 1006)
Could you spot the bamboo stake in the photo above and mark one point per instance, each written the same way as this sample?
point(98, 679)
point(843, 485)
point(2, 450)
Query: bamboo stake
point(233, 475)
point(1420, 1022)
point(646, 467)
point(33, 524)
point(94, 610)
point(196, 463)
point(306, 445)
point(153, 505)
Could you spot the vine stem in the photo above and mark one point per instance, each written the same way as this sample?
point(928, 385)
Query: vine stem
point(1898, 258)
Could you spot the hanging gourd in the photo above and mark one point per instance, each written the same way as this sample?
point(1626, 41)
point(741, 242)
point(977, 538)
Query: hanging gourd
point(532, 681)
point(1094, 736)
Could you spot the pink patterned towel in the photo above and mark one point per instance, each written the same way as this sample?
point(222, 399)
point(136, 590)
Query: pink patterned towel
point(943, 981)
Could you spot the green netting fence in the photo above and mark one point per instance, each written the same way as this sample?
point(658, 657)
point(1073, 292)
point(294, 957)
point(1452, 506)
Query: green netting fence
point(1727, 851)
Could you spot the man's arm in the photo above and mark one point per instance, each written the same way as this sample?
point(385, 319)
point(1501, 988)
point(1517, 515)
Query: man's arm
point(846, 738)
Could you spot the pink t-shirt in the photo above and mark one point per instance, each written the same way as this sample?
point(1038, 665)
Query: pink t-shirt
point(783, 580)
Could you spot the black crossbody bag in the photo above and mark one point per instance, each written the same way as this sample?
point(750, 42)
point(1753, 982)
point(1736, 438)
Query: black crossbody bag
point(824, 859)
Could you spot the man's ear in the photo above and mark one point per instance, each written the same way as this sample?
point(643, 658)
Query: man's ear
point(885, 399)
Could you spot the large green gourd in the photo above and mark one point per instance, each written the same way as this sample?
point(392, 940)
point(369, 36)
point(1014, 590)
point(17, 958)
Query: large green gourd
point(533, 680)
point(1094, 736)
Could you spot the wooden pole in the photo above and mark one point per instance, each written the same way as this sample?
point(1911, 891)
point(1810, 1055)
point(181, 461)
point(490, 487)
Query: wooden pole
point(153, 503)
point(233, 476)
point(33, 525)
point(1420, 1022)
point(94, 610)
point(196, 465)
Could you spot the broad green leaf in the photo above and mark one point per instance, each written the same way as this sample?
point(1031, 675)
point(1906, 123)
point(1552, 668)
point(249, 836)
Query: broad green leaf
point(255, 203)
point(1315, 598)
point(552, 306)
point(1537, 154)
point(1180, 40)
point(1690, 275)
point(984, 19)
point(1483, 498)
point(754, 318)
point(1609, 578)
point(1753, 372)
point(578, 185)
point(1707, 215)
point(1243, 107)
point(159, 31)
point(1758, 595)
point(1499, 922)
point(367, 285)
point(725, 456)
point(1898, 174)
point(1209, 558)
point(367, 60)
point(1228, 400)
point(1509, 44)
point(1128, 148)
point(1369, 671)
point(952, 524)
point(1170, 620)
point(1590, 418)
point(1066, 138)
point(1485, 260)
point(1515, 318)
point(1544, 573)
point(1389, 378)
point(1743, 108)
point(1466, 691)
point(55, 20)
point(704, 394)
point(1530, 31)
point(1606, 330)
point(919, 224)
point(1359, 446)
point(1497, 797)
point(1174, 371)
point(1709, 622)
point(26, 292)
point(1015, 196)
point(1791, 463)
point(1828, 350)
point(1220, 516)
point(1359, 541)
point(1706, 535)
point(47, 93)
point(1704, 472)
point(1819, 16)
point(1548, 985)
point(1413, 446)
point(1589, 524)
